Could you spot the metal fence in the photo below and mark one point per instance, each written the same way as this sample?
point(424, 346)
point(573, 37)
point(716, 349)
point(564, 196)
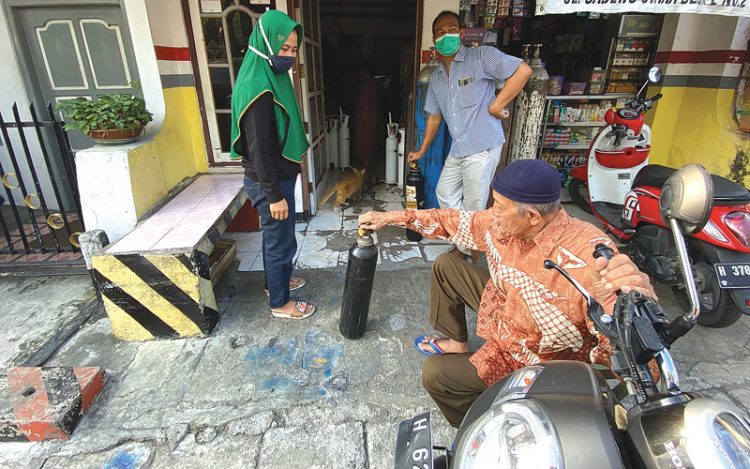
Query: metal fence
point(42, 210)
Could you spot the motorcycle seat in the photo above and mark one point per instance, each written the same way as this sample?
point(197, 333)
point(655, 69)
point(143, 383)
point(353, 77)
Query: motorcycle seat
point(726, 192)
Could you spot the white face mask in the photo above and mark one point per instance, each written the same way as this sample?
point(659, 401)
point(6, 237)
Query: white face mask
point(268, 44)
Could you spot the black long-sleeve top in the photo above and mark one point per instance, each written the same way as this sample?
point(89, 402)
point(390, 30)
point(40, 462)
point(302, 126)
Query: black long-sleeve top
point(261, 157)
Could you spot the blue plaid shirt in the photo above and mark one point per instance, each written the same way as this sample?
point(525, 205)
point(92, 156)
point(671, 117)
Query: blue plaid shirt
point(464, 98)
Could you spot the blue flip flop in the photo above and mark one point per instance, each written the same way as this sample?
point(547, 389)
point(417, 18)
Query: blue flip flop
point(431, 341)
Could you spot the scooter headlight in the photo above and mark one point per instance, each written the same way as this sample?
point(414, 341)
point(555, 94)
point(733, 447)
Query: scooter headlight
point(513, 434)
point(717, 434)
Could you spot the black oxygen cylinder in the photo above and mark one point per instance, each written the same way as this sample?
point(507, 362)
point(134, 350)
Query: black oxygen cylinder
point(414, 196)
point(360, 274)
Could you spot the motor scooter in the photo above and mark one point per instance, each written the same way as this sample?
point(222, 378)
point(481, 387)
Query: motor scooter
point(567, 414)
point(622, 190)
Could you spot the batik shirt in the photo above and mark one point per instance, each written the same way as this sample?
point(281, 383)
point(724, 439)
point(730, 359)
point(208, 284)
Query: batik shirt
point(527, 314)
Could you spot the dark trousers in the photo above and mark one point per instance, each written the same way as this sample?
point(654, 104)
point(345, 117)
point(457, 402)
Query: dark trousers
point(279, 242)
point(453, 383)
point(451, 379)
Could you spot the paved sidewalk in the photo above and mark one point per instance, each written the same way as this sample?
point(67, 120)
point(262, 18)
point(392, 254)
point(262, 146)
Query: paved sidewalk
point(268, 393)
point(324, 242)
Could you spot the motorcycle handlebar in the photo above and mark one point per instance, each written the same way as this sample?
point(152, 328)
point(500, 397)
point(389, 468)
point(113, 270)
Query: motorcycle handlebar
point(678, 328)
point(646, 331)
point(602, 250)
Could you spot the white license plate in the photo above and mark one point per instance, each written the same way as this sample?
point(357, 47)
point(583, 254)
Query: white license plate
point(414, 443)
point(736, 275)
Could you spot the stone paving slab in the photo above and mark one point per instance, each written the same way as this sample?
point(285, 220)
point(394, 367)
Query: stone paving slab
point(220, 377)
point(97, 347)
point(23, 455)
point(207, 449)
point(39, 313)
point(327, 447)
point(130, 456)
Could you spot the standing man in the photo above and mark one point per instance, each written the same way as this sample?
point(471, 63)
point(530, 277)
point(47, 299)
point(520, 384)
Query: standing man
point(462, 91)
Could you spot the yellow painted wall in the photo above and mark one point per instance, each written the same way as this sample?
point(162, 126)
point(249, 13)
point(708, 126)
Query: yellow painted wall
point(177, 152)
point(695, 125)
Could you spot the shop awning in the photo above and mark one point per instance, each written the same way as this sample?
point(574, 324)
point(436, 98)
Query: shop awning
point(707, 7)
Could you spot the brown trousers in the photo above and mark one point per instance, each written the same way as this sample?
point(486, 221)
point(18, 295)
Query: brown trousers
point(452, 379)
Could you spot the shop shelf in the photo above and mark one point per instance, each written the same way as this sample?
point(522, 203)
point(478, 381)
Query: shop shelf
point(577, 124)
point(567, 147)
point(591, 97)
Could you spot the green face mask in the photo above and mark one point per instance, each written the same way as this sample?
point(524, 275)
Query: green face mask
point(448, 44)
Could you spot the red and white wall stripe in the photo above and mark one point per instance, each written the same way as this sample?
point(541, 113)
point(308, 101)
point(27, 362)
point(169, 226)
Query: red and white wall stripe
point(171, 43)
point(701, 57)
point(703, 51)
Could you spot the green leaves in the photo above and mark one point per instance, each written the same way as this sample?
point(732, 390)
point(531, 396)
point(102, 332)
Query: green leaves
point(107, 112)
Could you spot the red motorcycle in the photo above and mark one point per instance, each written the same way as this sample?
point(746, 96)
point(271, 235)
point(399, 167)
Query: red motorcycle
point(622, 190)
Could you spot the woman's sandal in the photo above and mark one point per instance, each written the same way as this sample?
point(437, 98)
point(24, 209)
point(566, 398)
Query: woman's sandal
point(294, 284)
point(302, 310)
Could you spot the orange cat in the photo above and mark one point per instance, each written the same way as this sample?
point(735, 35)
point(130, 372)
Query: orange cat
point(344, 188)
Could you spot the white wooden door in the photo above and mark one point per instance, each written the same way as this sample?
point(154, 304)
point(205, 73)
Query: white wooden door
point(312, 91)
point(221, 29)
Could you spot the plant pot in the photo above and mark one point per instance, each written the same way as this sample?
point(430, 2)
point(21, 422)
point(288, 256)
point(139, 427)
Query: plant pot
point(115, 136)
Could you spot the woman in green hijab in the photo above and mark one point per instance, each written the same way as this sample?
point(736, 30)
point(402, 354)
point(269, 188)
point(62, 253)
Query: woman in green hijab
point(268, 134)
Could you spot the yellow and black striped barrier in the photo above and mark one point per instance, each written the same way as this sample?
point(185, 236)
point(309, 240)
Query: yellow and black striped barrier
point(151, 296)
point(159, 295)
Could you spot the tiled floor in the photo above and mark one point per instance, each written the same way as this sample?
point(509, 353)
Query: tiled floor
point(324, 242)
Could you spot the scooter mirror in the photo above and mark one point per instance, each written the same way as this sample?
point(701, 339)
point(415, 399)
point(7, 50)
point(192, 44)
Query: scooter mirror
point(687, 197)
point(654, 75)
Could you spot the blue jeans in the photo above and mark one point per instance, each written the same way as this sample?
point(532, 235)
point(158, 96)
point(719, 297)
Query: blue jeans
point(279, 243)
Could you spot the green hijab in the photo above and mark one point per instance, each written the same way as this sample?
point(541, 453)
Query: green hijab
point(256, 77)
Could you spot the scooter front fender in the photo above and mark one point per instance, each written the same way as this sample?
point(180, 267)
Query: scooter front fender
point(580, 172)
point(575, 398)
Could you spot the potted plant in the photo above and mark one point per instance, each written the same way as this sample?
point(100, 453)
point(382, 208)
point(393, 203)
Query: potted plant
point(109, 119)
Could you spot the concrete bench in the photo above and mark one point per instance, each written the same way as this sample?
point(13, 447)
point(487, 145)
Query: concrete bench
point(155, 282)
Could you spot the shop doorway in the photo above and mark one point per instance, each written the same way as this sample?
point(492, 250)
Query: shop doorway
point(367, 51)
point(341, 37)
point(309, 88)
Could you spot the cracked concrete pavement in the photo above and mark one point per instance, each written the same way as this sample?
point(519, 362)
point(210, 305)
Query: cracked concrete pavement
point(267, 393)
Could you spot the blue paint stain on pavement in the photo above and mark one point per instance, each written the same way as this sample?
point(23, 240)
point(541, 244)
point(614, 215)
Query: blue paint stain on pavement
point(320, 357)
point(122, 460)
point(294, 367)
point(272, 365)
point(279, 384)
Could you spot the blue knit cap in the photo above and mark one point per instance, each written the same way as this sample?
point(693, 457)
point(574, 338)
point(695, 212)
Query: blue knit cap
point(528, 181)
